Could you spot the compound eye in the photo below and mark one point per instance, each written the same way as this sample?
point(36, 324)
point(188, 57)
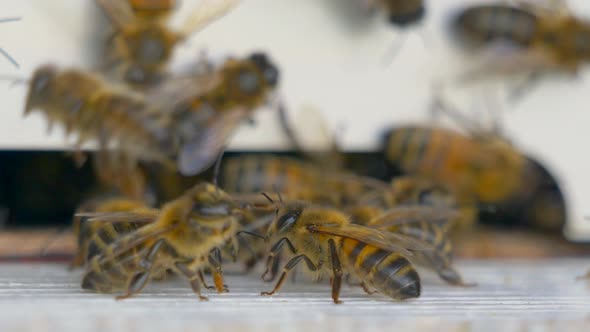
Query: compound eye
point(221, 209)
point(271, 75)
point(151, 51)
point(288, 219)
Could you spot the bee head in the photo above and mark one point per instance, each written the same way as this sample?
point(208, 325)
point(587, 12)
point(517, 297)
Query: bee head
point(268, 69)
point(285, 219)
point(40, 86)
point(210, 202)
point(407, 18)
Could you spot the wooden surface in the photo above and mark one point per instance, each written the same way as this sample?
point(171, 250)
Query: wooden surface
point(57, 245)
point(511, 296)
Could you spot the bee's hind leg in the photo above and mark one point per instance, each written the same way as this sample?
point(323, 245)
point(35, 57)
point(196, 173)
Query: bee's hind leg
point(139, 280)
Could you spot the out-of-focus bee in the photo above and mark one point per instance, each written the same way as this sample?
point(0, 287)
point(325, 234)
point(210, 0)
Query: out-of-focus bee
point(183, 124)
point(295, 180)
point(2, 51)
point(403, 13)
point(93, 235)
point(542, 37)
point(485, 167)
point(326, 240)
point(143, 44)
point(184, 237)
point(481, 168)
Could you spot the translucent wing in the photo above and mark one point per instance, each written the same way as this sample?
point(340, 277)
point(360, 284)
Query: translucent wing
point(118, 11)
point(132, 240)
point(404, 215)
point(202, 149)
point(207, 12)
point(143, 216)
point(376, 237)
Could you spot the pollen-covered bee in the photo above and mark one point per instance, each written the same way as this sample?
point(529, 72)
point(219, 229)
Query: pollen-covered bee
point(183, 124)
point(533, 38)
point(328, 242)
point(2, 51)
point(185, 237)
point(142, 43)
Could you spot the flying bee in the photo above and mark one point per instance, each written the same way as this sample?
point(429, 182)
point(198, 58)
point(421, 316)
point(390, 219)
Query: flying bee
point(403, 13)
point(91, 235)
point(184, 237)
point(2, 51)
point(183, 124)
point(142, 43)
point(534, 38)
point(326, 240)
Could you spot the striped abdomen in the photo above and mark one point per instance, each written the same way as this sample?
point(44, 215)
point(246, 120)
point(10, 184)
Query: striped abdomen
point(96, 235)
point(481, 25)
point(388, 272)
point(253, 174)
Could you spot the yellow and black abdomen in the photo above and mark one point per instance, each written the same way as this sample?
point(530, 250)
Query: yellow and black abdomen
point(479, 26)
point(389, 273)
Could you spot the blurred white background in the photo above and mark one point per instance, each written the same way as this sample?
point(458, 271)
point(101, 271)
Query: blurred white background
point(331, 55)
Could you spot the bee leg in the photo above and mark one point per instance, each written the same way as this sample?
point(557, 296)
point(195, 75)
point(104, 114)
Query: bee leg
point(215, 262)
point(366, 289)
point(202, 279)
point(193, 279)
point(276, 248)
point(337, 271)
point(139, 280)
point(452, 277)
point(288, 267)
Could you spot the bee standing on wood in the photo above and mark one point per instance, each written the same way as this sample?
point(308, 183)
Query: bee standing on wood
point(325, 240)
point(185, 237)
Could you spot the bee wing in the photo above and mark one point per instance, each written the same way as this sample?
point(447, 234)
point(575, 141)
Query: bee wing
point(207, 12)
point(442, 217)
point(132, 240)
point(379, 238)
point(146, 216)
point(118, 11)
point(200, 151)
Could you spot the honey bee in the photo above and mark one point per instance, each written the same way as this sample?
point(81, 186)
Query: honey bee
point(542, 37)
point(93, 235)
point(295, 180)
point(428, 224)
point(142, 43)
point(403, 13)
point(485, 167)
point(184, 237)
point(326, 240)
point(182, 124)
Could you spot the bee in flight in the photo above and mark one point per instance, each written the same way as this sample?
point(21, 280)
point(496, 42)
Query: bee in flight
point(533, 38)
point(2, 51)
point(142, 43)
point(184, 237)
point(182, 124)
point(326, 240)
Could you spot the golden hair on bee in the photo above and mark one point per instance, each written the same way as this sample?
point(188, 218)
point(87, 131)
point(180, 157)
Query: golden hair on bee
point(184, 237)
point(142, 44)
point(534, 38)
point(326, 241)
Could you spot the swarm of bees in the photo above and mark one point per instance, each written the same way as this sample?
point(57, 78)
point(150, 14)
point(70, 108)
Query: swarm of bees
point(354, 228)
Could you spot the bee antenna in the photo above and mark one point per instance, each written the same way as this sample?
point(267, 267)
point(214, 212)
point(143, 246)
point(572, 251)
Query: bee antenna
point(268, 197)
point(9, 19)
point(13, 79)
point(217, 168)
